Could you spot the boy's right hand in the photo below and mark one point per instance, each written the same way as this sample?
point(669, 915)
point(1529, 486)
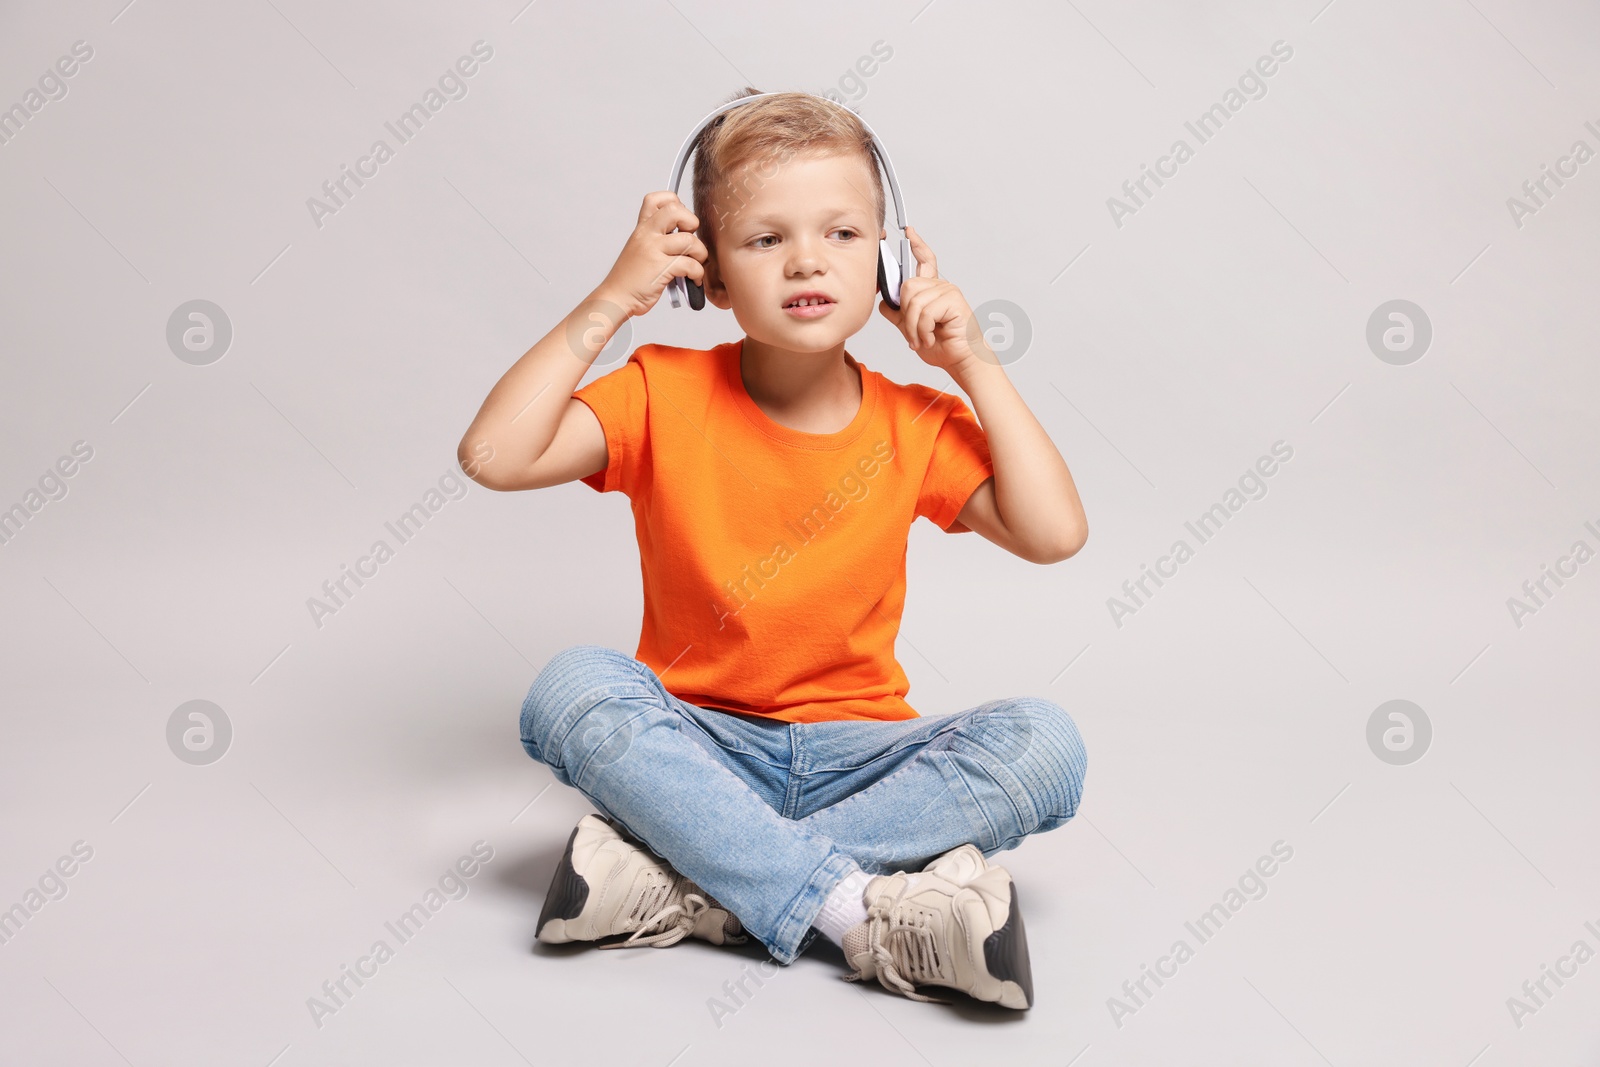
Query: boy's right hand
point(655, 255)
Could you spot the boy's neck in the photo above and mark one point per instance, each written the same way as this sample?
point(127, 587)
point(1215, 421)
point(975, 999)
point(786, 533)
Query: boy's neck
point(817, 392)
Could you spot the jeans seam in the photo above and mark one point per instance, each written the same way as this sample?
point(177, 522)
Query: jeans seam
point(600, 694)
point(794, 788)
point(608, 688)
point(976, 804)
point(898, 746)
point(711, 737)
point(927, 745)
point(823, 879)
point(597, 748)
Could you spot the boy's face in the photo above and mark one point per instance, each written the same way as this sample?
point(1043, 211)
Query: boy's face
point(805, 225)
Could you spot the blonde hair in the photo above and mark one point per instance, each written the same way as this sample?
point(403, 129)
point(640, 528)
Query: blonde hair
point(768, 133)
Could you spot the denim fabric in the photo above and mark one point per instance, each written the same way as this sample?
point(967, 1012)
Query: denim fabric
point(767, 816)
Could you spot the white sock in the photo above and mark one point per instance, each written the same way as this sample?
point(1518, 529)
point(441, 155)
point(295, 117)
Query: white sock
point(844, 907)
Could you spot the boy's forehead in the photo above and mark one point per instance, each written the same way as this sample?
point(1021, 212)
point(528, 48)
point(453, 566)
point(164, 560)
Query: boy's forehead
point(764, 191)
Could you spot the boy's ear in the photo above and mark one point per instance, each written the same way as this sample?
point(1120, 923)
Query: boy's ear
point(716, 292)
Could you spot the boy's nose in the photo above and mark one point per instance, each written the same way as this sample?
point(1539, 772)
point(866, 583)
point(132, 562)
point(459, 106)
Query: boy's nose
point(805, 256)
point(804, 266)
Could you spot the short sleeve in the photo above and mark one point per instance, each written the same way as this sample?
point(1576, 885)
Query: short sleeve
point(618, 401)
point(959, 464)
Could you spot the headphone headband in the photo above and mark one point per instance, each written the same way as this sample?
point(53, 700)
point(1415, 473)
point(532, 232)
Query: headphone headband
point(878, 150)
point(902, 255)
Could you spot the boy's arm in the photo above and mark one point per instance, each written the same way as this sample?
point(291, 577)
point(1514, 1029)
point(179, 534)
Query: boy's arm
point(1030, 507)
point(531, 432)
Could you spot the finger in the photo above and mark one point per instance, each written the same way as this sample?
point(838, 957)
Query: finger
point(889, 313)
point(927, 262)
point(681, 267)
point(910, 310)
point(669, 215)
point(938, 309)
point(927, 319)
point(684, 243)
point(914, 330)
point(946, 308)
point(666, 215)
point(653, 202)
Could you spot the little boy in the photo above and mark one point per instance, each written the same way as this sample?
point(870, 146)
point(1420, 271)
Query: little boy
point(755, 762)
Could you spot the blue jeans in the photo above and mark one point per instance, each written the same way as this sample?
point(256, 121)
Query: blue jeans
point(767, 816)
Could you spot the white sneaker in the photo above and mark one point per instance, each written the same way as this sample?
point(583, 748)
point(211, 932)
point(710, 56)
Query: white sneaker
point(924, 928)
point(607, 883)
point(960, 865)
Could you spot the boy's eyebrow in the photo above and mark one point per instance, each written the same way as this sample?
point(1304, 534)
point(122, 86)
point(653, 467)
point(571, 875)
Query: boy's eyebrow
point(770, 218)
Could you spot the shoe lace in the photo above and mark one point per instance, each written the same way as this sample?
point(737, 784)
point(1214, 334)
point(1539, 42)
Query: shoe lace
point(905, 948)
point(667, 898)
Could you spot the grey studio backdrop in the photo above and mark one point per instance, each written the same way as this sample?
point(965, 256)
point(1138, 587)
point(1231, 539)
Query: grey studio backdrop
point(187, 882)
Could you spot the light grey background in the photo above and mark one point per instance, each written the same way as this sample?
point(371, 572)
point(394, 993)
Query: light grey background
point(1169, 353)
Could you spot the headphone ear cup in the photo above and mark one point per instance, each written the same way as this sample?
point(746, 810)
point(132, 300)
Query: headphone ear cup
point(697, 294)
point(888, 275)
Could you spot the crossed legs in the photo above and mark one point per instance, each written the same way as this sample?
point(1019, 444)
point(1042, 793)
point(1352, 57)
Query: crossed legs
point(768, 818)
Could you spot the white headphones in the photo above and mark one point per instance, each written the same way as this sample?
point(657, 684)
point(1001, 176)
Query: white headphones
point(893, 266)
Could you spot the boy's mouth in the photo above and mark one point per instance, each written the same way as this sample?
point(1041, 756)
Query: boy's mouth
point(809, 304)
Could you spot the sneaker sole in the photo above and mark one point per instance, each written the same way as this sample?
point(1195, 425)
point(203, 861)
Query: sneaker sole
point(568, 894)
point(1005, 956)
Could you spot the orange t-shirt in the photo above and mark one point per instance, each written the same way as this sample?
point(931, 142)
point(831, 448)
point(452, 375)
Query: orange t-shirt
point(774, 560)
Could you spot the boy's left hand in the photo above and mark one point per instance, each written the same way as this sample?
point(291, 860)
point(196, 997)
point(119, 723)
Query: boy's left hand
point(934, 316)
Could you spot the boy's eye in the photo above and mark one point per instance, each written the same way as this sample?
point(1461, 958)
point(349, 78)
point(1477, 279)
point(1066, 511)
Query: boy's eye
point(772, 237)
